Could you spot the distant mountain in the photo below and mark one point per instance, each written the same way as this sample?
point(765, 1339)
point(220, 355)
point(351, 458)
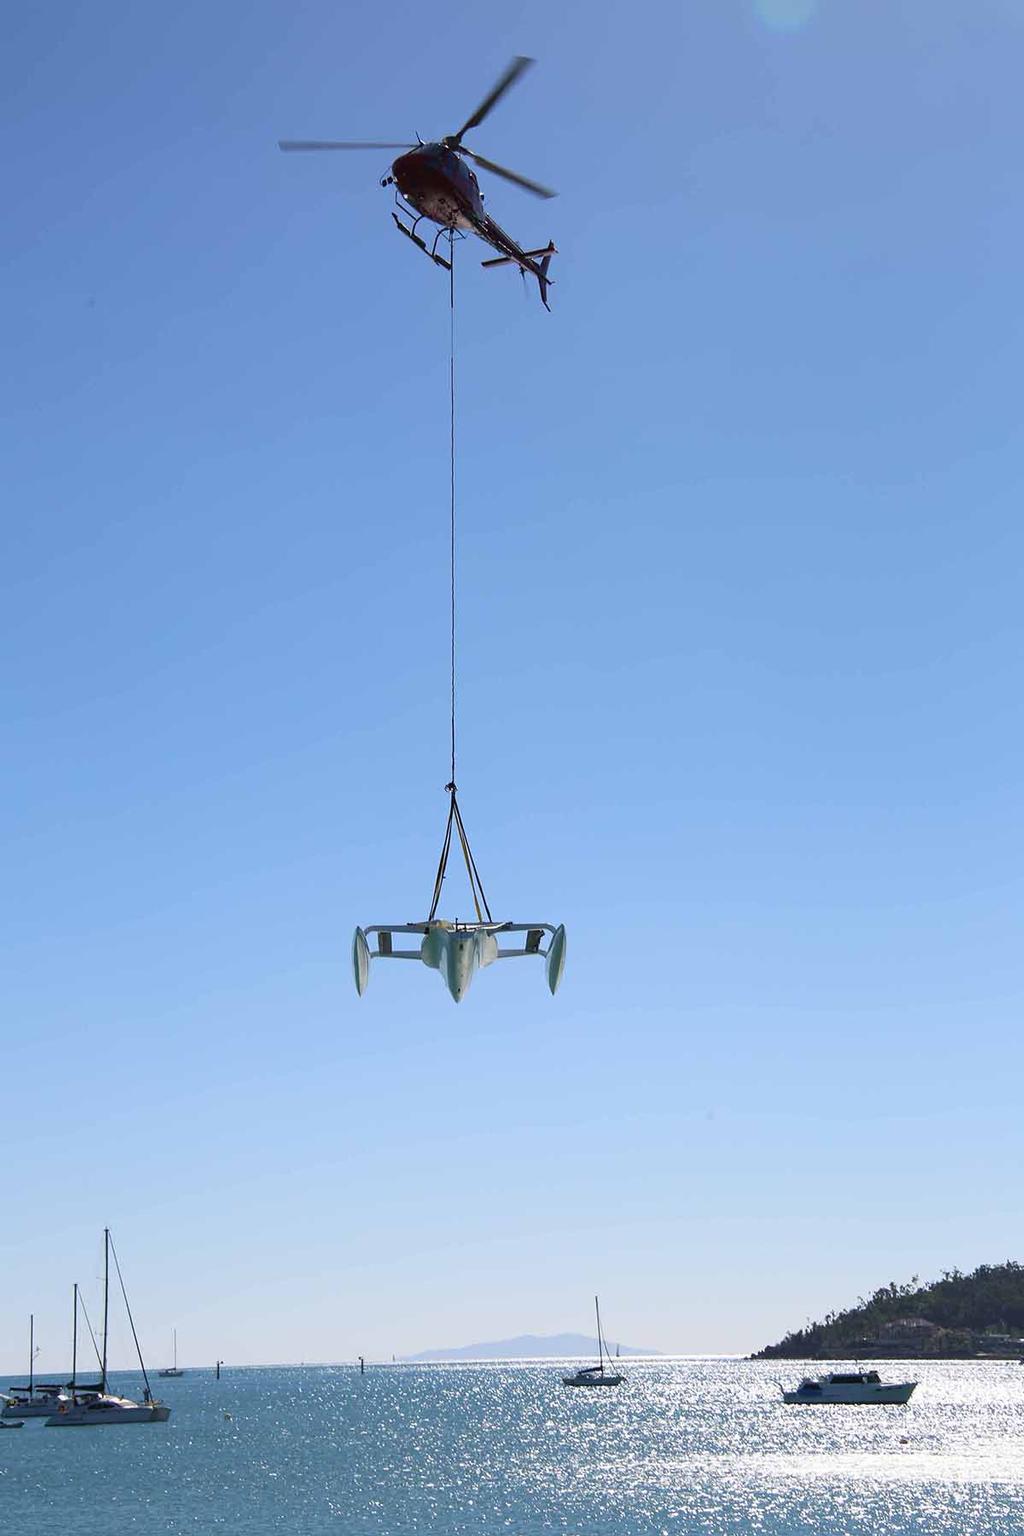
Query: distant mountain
point(527, 1346)
point(958, 1317)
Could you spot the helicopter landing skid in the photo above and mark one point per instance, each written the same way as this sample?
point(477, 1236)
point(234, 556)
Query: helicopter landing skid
point(439, 260)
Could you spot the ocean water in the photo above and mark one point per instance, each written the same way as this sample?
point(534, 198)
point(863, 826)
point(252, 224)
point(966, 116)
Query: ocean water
point(685, 1446)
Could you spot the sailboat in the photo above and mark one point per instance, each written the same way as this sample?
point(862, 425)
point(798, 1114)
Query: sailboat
point(98, 1406)
point(595, 1375)
point(173, 1370)
point(39, 1397)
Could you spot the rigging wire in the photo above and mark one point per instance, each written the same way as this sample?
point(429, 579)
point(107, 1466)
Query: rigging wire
point(128, 1309)
point(96, 1348)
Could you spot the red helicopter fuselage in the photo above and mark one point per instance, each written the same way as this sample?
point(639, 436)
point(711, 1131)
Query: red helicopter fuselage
point(439, 184)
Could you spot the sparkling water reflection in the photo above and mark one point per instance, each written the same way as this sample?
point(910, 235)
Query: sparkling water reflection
point(701, 1446)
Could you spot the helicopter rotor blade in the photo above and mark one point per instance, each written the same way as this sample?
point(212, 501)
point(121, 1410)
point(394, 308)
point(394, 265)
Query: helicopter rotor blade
point(292, 144)
point(499, 170)
point(509, 78)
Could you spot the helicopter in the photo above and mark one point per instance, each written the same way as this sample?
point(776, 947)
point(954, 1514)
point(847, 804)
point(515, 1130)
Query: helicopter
point(432, 181)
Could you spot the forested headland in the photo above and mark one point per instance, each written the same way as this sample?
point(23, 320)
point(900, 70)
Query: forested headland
point(980, 1315)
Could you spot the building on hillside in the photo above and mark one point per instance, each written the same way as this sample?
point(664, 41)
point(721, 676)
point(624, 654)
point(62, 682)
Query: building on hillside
point(907, 1330)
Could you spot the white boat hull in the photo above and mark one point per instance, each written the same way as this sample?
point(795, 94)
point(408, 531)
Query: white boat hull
point(595, 1380)
point(897, 1392)
point(108, 1410)
point(31, 1408)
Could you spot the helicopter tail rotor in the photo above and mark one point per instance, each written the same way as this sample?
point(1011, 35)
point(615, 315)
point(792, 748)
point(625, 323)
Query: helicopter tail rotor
point(536, 262)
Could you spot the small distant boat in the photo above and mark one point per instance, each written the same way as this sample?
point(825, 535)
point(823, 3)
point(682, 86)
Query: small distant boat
point(595, 1375)
point(849, 1387)
point(89, 1407)
point(173, 1370)
point(35, 1400)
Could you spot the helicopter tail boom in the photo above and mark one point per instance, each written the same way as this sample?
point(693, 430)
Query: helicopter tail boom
point(534, 262)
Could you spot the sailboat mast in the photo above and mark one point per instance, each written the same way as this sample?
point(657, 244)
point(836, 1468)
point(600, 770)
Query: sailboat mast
point(175, 1349)
point(600, 1350)
point(106, 1304)
point(31, 1352)
point(74, 1342)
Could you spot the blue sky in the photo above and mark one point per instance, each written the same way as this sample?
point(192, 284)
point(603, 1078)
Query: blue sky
point(741, 668)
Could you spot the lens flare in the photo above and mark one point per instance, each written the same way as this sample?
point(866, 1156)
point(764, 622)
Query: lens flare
point(786, 15)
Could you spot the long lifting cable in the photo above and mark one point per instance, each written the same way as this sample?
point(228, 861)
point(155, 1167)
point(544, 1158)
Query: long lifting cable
point(454, 814)
point(451, 440)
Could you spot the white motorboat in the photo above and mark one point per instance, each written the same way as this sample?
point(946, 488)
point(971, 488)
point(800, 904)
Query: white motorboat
point(91, 1407)
point(595, 1375)
point(38, 1398)
point(849, 1387)
point(175, 1369)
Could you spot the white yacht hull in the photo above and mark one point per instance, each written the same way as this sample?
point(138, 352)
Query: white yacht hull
point(596, 1380)
point(898, 1392)
point(109, 1411)
point(31, 1408)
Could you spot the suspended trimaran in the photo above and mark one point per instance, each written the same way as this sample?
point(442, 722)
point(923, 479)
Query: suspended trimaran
point(458, 949)
point(96, 1406)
